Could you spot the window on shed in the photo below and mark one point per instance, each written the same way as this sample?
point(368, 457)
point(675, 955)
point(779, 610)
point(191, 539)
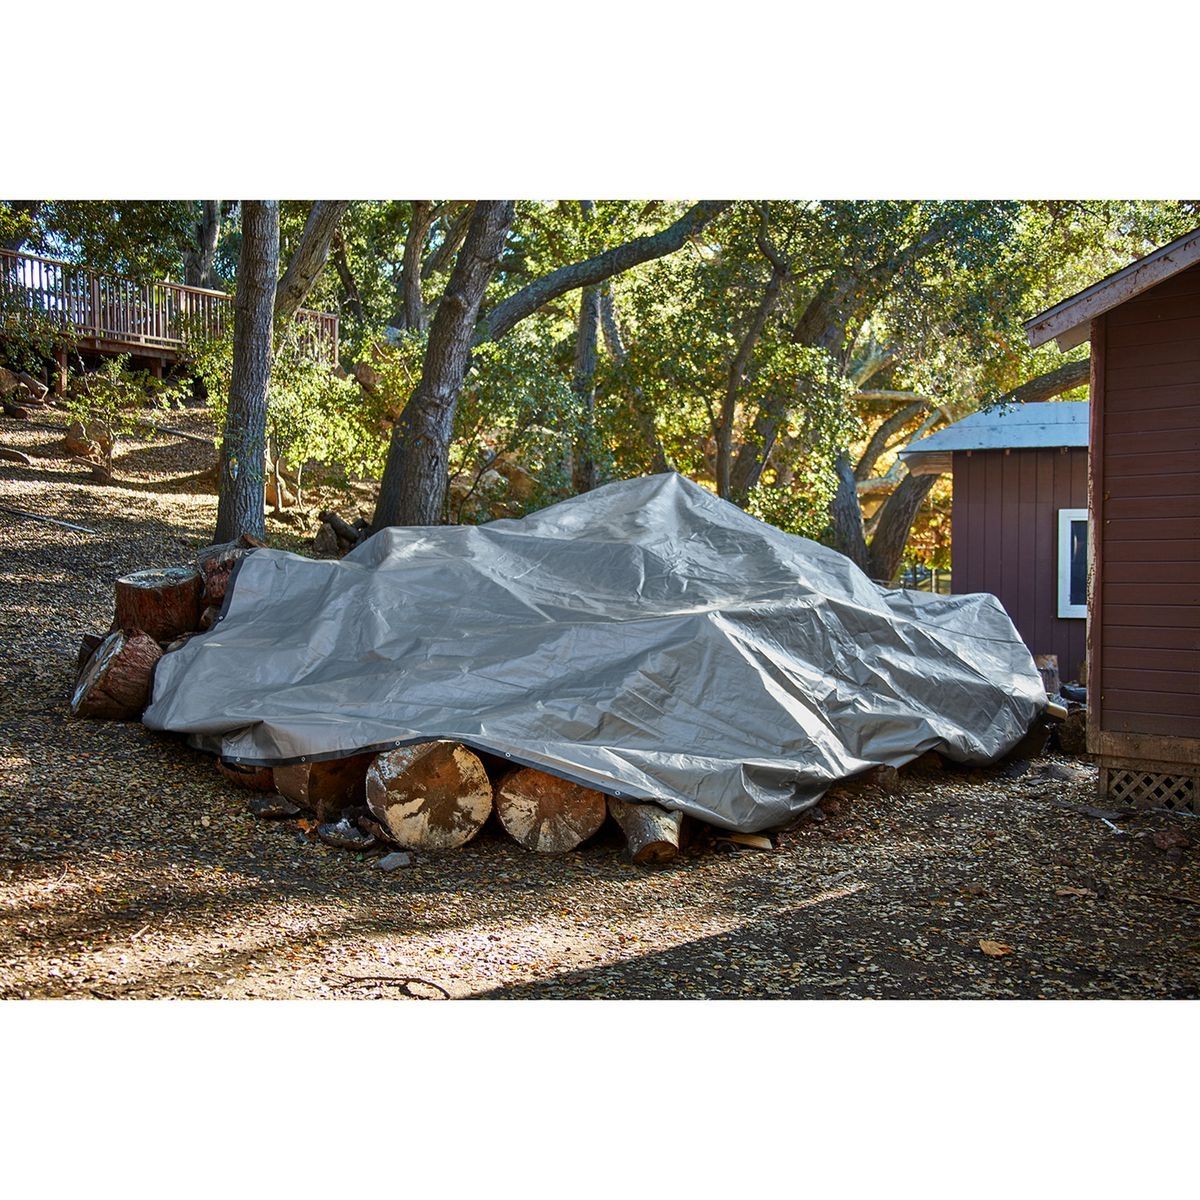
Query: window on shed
point(1072, 562)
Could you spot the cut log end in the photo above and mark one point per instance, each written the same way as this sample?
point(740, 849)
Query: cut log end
point(651, 832)
point(429, 796)
point(164, 602)
point(546, 813)
point(115, 684)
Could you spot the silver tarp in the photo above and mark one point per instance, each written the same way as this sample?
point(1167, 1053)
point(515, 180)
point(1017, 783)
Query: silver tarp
point(647, 639)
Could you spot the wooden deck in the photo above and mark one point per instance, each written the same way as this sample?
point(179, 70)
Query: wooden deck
point(110, 315)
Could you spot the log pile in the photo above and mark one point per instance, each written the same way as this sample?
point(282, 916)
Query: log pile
point(426, 797)
point(429, 796)
point(154, 611)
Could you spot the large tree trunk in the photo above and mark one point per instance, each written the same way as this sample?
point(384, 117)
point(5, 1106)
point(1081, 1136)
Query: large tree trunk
point(349, 285)
point(846, 511)
point(730, 487)
point(305, 265)
point(546, 813)
point(198, 259)
point(240, 506)
point(893, 520)
point(893, 526)
point(413, 490)
point(587, 335)
point(429, 796)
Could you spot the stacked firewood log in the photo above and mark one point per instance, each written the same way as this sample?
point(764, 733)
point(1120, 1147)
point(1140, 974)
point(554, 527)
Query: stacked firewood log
point(428, 796)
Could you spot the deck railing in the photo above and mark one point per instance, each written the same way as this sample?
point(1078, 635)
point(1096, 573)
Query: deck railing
point(127, 314)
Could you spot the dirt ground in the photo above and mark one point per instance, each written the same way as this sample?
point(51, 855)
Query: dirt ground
point(130, 869)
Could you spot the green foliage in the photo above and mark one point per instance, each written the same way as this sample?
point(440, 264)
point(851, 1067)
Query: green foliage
point(512, 405)
point(908, 296)
point(313, 413)
point(118, 396)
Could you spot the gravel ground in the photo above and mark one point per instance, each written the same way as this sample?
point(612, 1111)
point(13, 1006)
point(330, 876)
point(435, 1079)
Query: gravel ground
point(130, 869)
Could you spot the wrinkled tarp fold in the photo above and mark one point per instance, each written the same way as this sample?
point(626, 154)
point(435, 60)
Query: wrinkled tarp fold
point(647, 639)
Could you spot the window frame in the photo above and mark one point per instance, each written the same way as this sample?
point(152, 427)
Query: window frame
point(1066, 518)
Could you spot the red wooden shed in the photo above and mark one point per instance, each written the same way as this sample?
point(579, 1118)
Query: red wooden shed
point(1143, 323)
point(1019, 517)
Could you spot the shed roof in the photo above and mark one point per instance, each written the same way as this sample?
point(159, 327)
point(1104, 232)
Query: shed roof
point(1046, 423)
point(1070, 320)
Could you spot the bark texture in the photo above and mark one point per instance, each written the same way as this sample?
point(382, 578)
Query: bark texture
point(341, 264)
point(115, 684)
point(846, 512)
point(893, 526)
point(252, 779)
point(243, 450)
point(163, 603)
point(216, 565)
point(198, 258)
point(413, 490)
point(892, 523)
point(325, 788)
point(412, 311)
point(651, 832)
point(319, 229)
point(727, 487)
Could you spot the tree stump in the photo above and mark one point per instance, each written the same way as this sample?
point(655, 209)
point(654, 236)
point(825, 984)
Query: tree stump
point(163, 602)
point(429, 796)
point(546, 813)
point(324, 788)
point(651, 832)
point(115, 684)
point(253, 779)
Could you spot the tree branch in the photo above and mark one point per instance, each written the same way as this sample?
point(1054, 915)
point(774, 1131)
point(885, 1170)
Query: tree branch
point(310, 256)
point(342, 265)
point(741, 361)
point(879, 439)
point(412, 311)
point(596, 269)
point(1045, 387)
point(449, 245)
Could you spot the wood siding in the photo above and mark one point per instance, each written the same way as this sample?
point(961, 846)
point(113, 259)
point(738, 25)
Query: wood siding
point(1146, 494)
point(1004, 539)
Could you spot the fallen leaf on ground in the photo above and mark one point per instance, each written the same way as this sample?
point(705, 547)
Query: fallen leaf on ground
point(994, 949)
